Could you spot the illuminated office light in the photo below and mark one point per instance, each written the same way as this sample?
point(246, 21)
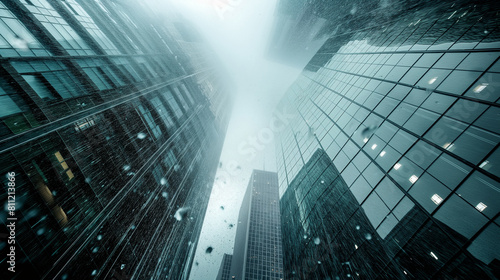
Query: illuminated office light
point(397, 166)
point(483, 164)
point(480, 87)
point(431, 81)
point(413, 179)
point(365, 140)
point(481, 206)
point(374, 146)
point(448, 146)
point(436, 199)
point(434, 255)
point(382, 153)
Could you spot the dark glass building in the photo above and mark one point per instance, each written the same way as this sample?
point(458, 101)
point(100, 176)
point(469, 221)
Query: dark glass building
point(112, 118)
point(318, 204)
point(257, 249)
point(407, 110)
point(225, 268)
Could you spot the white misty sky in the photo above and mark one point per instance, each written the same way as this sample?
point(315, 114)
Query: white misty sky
point(240, 38)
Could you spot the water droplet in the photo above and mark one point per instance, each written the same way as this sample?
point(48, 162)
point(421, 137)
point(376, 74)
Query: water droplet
point(94, 272)
point(368, 131)
point(40, 231)
point(305, 236)
point(163, 181)
point(358, 227)
point(99, 237)
point(141, 135)
point(20, 44)
point(164, 194)
point(209, 250)
point(181, 213)
point(126, 167)
point(95, 249)
point(319, 262)
point(87, 180)
point(317, 241)
point(368, 236)
point(122, 266)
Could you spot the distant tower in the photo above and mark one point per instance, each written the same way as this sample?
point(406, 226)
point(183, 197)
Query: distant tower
point(225, 268)
point(257, 249)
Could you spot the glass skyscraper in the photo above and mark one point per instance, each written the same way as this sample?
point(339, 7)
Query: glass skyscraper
point(225, 268)
point(404, 102)
point(112, 123)
point(257, 249)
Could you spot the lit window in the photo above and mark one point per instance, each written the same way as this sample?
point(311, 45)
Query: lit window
point(365, 140)
point(481, 206)
point(413, 179)
point(382, 153)
point(483, 164)
point(436, 199)
point(374, 146)
point(448, 146)
point(397, 166)
point(480, 87)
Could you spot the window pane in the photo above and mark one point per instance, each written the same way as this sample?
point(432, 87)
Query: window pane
point(39, 86)
point(460, 216)
point(482, 192)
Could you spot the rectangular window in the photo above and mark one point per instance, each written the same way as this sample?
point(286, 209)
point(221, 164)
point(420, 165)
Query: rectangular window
point(173, 104)
point(40, 86)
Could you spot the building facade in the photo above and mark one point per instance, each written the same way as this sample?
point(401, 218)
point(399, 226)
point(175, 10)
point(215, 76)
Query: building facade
point(225, 268)
point(112, 120)
point(408, 113)
point(257, 249)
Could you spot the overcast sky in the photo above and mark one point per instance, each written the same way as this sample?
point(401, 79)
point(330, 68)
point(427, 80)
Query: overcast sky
point(239, 35)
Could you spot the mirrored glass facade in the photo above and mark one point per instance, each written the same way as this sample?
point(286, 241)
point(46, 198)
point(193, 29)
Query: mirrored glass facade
point(406, 107)
point(112, 121)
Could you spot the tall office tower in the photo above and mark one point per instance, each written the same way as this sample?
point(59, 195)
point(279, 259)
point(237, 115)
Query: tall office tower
point(408, 113)
point(225, 268)
point(113, 128)
point(257, 247)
